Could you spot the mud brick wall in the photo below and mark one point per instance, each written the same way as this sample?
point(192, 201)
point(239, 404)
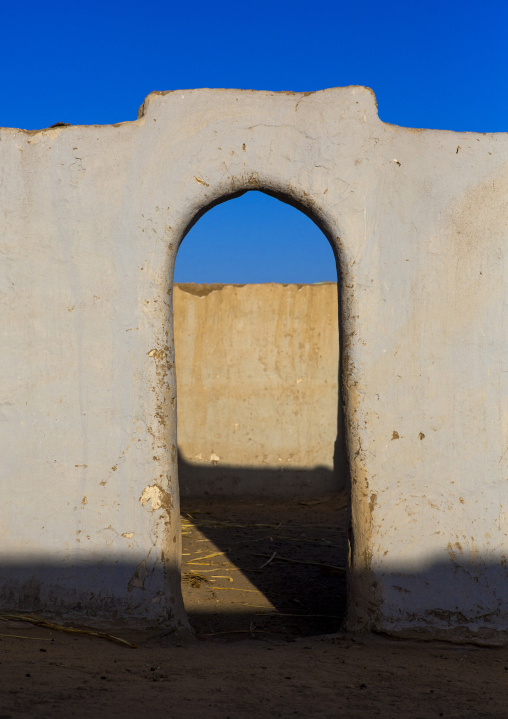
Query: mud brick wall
point(257, 371)
point(91, 219)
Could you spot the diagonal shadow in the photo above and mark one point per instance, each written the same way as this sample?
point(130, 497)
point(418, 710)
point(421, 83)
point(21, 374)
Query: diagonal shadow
point(298, 515)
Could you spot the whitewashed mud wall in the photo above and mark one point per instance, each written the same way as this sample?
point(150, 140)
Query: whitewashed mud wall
point(90, 223)
point(257, 377)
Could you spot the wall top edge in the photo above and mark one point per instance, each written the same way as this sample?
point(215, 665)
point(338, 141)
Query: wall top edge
point(202, 288)
point(349, 89)
point(154, 102)
point(169, 94)
point(157, 94)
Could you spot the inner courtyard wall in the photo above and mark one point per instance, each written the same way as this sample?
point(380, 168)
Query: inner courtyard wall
point(257, 370)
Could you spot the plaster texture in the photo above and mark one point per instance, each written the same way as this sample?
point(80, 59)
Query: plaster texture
point(257, 376)
point(91, 219)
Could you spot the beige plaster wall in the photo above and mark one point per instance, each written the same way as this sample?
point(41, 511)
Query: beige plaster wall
point(257, 381)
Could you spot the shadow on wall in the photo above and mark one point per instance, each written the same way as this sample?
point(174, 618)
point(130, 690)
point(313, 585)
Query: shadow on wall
point(223, 480)
point(291, 546)
point(436, 602)
point(107, 589)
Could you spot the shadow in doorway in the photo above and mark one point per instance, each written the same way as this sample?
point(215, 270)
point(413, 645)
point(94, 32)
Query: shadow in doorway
point(263, 564)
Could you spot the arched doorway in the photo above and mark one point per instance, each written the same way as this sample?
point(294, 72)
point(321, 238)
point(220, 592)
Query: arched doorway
point(261, 460)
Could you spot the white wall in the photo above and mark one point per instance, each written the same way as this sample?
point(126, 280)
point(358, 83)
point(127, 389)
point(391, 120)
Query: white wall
point(90, 223)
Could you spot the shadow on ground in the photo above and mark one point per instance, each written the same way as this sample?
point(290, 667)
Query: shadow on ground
point(254, 565)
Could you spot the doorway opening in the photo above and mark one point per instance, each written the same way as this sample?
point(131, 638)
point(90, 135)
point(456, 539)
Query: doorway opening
point(262, 469)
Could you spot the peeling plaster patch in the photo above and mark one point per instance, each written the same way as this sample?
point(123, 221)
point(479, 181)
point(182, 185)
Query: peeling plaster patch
point(84, 501)
point(139, 577)
point(159, 498)
point(128, 535)
point(421, 435)
point(158, 354)
point(395, 435)
point(153, 493)
point(214, 458)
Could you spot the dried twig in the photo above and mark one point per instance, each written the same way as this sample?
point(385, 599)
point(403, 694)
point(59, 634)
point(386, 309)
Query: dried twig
point(269, 560)
point(41, 622)
point(68, 666)
point(207, 556)
point(275, 613)
point(306, 540)
point(235, 631)
point(222, 569)
point(300, 561)
point(259, 606)
point(37, 639)
point(237, 525)
point(236, 589)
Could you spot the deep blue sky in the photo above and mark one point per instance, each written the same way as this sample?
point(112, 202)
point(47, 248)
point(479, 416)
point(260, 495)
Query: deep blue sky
point(431, 64)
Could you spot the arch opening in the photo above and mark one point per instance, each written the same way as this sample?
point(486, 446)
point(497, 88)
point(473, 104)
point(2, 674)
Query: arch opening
point(262, 467)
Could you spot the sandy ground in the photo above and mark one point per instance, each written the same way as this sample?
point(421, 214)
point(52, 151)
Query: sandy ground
point(273, 567)
point(258, 652)
point(57, 675)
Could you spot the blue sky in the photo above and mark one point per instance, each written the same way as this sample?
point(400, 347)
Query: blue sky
point(436, 64)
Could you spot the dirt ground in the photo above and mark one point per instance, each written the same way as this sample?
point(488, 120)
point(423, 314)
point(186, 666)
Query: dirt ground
point(268, 567)
point(259, 651)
